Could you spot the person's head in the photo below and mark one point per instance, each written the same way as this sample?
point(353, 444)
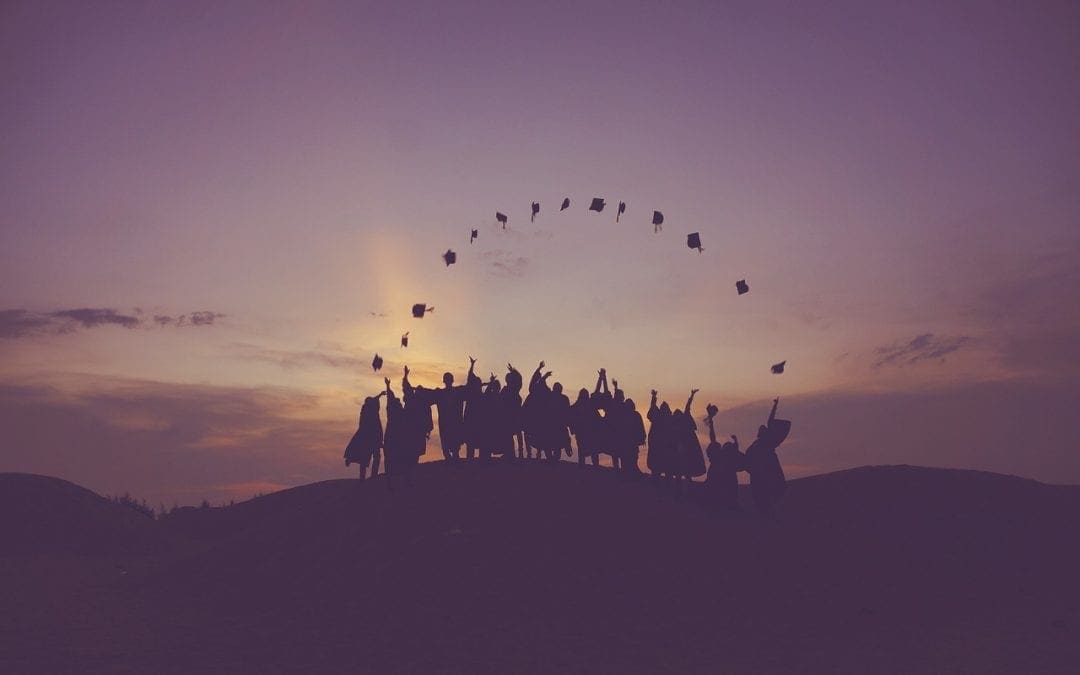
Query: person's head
point(629, 403)
point(762, 430)
point(583, 394)
point(557, 387)
point(494, 387)
point(448, 379)
point(665, 409)
point(677, 413)
point(371, 403)
point(620, 396)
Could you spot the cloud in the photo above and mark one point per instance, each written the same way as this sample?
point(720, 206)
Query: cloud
point(925, 347)
point(171, 442)
point(290, 359)
point(505, 264)
point(20, 323)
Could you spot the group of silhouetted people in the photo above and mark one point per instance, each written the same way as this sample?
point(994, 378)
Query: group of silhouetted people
point(489, 419)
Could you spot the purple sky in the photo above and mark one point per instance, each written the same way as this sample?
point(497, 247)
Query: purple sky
point(897, 184)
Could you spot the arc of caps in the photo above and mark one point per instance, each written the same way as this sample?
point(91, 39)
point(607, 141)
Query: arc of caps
point(473, 236)
point(742, 287)
point(376, 363)
point(449, 257)
point(622, 210)
point(501, 217)
point(657, 221)
point(597, 204)
point(535, 210)
point(565, 204)
point(405, 339)
point(419, 309)
point(778, 368)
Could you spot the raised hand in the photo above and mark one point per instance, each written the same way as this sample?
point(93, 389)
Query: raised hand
point(387, 381)
point(615, 383)
point(546, 375)
point(653, 393)
point(693, 392)
point(472, 361)
point(541, 366)
point(406, 371)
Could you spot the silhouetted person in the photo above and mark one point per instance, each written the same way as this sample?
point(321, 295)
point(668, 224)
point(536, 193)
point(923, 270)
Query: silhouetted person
point(559, 422)
point(511, 407)
point(660, 456)
point(631, 437)
point(396, 440)
point(725, 463)
point(536, 416)
point(450, 402)
point(496, 435)
point(690, 458)
point(604, 431)
point(767, 483)
point(368, 439)
point(583, 419)
point(473, 418)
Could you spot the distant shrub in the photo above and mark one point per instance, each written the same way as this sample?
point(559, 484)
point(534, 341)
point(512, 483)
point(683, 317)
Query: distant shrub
point(138, 505)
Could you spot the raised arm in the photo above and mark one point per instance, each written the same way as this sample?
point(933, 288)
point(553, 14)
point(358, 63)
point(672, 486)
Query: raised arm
point(599, 378)
point(712, 430)
point(690, 401)
point(653, 410)
point(772, 415)
point(735, 439)
point(534, 381)
point(405, 386)
point(603, 376)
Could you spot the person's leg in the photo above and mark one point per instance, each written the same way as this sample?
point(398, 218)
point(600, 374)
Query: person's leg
point(375, 462)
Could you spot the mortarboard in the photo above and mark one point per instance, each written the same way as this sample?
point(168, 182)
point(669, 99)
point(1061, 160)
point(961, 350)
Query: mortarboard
point(376, 363)
point(473, 236)
point(778, 368)
point(657, 221)
point(742, 286)
point(597, 205)
point(419, 309)
point(449, 257)
point(535, 210)
point(565, 204)
point(405, 339)
point(501, 217)
point(693, 240)
point(622, 210)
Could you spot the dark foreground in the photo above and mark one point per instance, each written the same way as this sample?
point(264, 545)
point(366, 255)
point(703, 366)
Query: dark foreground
point(530, 568)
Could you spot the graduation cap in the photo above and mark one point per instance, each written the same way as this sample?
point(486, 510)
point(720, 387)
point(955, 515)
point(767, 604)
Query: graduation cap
point(565, 204)
point(376, 363)
point(742, 287)
point(405, 339)
point(597, 205)
point(693, 240)
point(449, 257)
point(501, 217)
point(535, 210)
point(778, 368)
point(622, 210)
point(419, 309)
point(657, 221)
point(473, 236)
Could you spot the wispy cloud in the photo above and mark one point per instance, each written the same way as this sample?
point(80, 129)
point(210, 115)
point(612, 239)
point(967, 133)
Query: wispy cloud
point(505, 264)
point(925, 347)
point(21, 323)
point(290, 359)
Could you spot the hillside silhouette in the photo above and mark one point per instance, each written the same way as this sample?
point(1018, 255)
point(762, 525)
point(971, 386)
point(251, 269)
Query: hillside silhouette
point(513, 567)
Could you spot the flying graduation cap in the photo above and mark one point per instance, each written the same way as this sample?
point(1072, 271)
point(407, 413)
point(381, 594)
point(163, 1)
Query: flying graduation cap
point(693, 240)
point(597, 205)
point(473, 236)
point(778, 368)
point(657, 221)
point(622, 210)
point(535, 210)
point(501, 217)
point(405, 339)
point(565, 204)
point(419, 309)
point(742, 287)
point(449, 257)
point(376, 363)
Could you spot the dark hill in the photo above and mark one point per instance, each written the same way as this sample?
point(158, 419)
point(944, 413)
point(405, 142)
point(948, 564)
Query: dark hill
point(521, 567)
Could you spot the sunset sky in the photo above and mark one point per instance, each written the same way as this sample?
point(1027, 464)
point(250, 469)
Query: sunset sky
point(213, 215)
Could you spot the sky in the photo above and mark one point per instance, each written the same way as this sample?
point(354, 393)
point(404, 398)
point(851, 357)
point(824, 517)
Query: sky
point(213, 216)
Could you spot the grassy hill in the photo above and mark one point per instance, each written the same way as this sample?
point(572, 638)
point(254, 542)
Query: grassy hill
point(522, 567)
